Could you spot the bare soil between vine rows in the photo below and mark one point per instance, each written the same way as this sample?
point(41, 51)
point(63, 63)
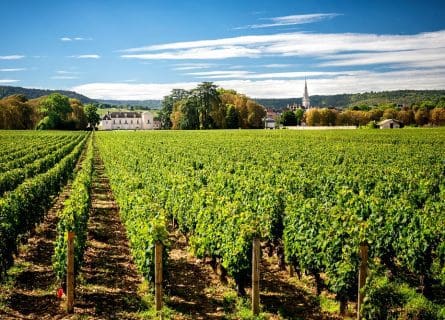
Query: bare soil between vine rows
point(107, 287)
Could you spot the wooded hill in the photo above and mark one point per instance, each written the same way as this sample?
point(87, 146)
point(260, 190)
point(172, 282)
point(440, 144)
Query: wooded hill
point(399, 97)
point(37, 93)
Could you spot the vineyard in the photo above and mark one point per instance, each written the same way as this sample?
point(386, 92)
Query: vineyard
point(310, 199)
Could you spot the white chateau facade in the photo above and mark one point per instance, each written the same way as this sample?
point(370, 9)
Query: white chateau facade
point(129, 120)
point(306, 101)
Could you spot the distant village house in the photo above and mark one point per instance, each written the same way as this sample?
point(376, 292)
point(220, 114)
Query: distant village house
point(390, 124)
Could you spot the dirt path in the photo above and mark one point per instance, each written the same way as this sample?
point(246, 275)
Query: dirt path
point(195, 291)
point(32, 293)
point(108, 281)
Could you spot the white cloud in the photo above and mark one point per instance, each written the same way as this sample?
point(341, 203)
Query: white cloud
point(241, 74)
point(222, 52)
point(292, 20)
point(348, 82)
point(130, 91)
point(8, 81)
point(86, 56)
point(12, 69)
point(68, 39)
point(332, 48)
point(64, 77)
point(12, 57)
point(66, 72)
point(277, 65)
point(192, 66)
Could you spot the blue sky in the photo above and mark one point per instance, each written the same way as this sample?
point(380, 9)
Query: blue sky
point(142, 49)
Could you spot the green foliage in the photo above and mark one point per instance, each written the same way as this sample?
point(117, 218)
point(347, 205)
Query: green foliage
point(209, 107)
point(390, 300)
point(288, 118)
point(92, 115)
point(74, 217)
point(317, 193)
point(25, 206)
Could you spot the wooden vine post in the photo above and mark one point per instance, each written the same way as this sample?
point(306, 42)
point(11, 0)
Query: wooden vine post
point(256, 256)
point(362, 274)
point(158, 275)
point(70, 273)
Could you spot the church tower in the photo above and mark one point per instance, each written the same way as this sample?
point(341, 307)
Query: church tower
point(306, 101)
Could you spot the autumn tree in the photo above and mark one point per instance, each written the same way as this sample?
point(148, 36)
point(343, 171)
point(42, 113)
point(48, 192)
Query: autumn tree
point(55, 109)
point(438, 116)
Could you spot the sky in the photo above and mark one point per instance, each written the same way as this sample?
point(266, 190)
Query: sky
point(137, 50)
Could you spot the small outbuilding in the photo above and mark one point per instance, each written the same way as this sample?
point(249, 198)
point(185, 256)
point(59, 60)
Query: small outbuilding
point(390, 124)
point(269, 123)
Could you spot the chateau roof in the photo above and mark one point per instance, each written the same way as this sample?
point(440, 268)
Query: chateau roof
point(129, 114)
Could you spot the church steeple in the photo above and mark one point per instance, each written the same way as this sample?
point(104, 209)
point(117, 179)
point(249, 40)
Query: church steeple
point(306, 101)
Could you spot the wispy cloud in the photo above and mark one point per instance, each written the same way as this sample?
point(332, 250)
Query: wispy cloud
point(205, 53)
point(291, 20)
point(64, 77)
point(192, 66)
point(13, 69)
point(242, 74)
point(66, 72)
point(130, 91)
point(334, 49)
point(8, 81)
point(86, 56)
point(12, 57)
point(346, 82)
point(68, 39)
point(277, 65)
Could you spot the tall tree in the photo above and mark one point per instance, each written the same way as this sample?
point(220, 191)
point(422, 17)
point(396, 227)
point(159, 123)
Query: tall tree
point(91, 114)
point(168, 104)
point(208, 100)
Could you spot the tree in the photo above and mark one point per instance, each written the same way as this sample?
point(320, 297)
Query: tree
point(168, 103)
point(288, 118)
point(231, 117)
point(438, 116)
point(299, 114)
point(208, 100)
point(91, 114)
point(313, 117)
point(421, 116)
point(55, 109)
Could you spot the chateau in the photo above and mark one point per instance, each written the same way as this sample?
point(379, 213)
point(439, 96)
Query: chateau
point(129, 120)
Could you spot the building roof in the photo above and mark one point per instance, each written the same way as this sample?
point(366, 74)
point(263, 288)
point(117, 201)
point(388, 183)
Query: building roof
point(123, 114)
point(383, 122)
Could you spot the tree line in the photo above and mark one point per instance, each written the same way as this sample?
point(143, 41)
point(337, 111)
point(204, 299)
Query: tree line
point(210, 107)
point(426, 113)
point(54, 111)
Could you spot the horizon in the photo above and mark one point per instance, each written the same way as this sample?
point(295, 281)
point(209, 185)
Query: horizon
point(110, 50)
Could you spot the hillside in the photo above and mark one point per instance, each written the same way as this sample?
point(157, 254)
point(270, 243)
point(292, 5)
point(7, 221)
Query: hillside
point(405, 97)
point(401, 97)
point(35, 93)
point(142, 104)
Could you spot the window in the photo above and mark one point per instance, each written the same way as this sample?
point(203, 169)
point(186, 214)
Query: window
point(148, 121)
point(137, 121)
point(114, 121)
point(120, 121)
point(125, 121)
point(131, 121)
